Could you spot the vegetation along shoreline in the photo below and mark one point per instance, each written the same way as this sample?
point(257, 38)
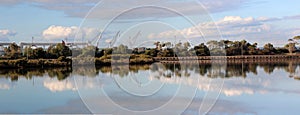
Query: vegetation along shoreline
point(63, 55)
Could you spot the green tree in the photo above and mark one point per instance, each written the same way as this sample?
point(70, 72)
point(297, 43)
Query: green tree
point(108, 51)
point(59, 50)
point(292, 43)
point(291, 47)
point(39, 53)
point(252, 49)
point(269, 49)
point(13, 51)
point(34, 53)
point(201, 50)
point(151, 52)
point(99, 53)
point(296, 38)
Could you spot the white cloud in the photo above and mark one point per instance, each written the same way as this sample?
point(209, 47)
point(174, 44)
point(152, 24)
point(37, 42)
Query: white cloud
point(5, 34)
point(60, 32)
point(261, 30)
point(235, 25)
point(234, 19)
point(230, 27)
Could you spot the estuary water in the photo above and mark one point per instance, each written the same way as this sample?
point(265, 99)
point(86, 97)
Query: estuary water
point(236, 88)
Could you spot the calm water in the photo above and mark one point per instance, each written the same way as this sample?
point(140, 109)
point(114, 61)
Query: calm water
point(264, 88)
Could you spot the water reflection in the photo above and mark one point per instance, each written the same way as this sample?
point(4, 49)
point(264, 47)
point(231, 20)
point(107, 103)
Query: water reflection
point(15, 74)
point(242, 80)
point(165, 73)
point(167, 70)
point(57, 85)
point(5, 85)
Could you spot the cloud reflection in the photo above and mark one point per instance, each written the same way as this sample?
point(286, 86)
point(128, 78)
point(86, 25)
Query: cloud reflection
point(5, 84)
point(231, 87)
point(55, 85)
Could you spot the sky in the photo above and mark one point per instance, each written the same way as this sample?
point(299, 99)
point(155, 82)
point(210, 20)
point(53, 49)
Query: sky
point(143, 21)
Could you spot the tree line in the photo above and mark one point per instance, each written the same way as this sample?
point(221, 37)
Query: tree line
point(13, 51)
point(161, 49)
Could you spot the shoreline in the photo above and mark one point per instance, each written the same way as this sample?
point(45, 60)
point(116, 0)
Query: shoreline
point(50, 63)
point(228, 57)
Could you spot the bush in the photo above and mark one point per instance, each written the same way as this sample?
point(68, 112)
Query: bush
point(61, 58)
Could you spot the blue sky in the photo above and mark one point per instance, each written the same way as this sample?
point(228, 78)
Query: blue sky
point(258, 21)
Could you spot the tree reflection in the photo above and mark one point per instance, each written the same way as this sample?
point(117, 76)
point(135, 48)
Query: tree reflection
point(163, 70)
point(14, 74)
